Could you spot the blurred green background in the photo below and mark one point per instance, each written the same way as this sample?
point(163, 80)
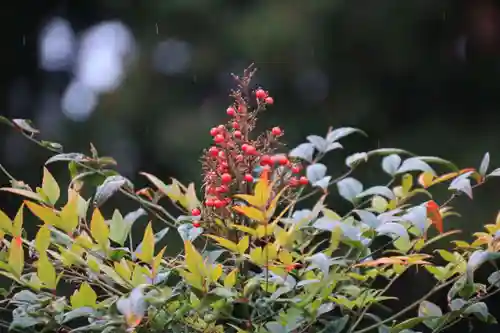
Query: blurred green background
point(144, 81)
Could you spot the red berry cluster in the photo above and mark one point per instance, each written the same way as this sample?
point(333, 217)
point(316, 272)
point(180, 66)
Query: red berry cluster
point(228, 165)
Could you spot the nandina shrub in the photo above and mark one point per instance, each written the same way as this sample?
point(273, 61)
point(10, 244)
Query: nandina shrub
point(255, 259)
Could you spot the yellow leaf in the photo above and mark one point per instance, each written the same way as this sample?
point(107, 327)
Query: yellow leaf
point(425, 179)
point(270, 251)
point(42, 239)
point(138, 276)
point(46, 272)
point(123, 270)
point(379, 204)
point(69, 215)
point(84, 240)
point(5, 222)
point(99, 228)
point(157, 261)
point(274, 203)
point(16, 256)
point(230, 279)
point(263, 190)
point(193, 279)
point(93, 264)
point(84, 297)
point(265, 230)
point(224, 243)
point(194, 260)
point(17, 226)
point(50, 187)
point(243, 244)
point(285, 257)
point(257, 257)
point(250, 199)
point(407, 183)
point(147, 248)
point(243, 228)
point(2, 234)
point(190, 198)
point(46, 214)
point(331, 214)
point(251, 213)
point(110, 272)
point(216, 272)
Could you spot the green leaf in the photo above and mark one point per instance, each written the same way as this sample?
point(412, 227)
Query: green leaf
point(304, 151)
point(391, 163)
point(146, 251)
point(349, 188)
point(415, 164)
point(428, 309)
point(315, 172)
point(119, 229)
point(110, 186)
point(69, 157)
point(84, 297)
point(494, 279)
point(394, 230)
point(5, 222)
point(46, 272)
point(339, 133)
point(485, 163)
point(50, 187)
point(336, 325)
point(355, 159)
point(439, 160)
point(389, 151)
point(25, 125)
point(42, 239)
point(408, 324)
point(377, 190)
point(98, 228)
point(480, 310)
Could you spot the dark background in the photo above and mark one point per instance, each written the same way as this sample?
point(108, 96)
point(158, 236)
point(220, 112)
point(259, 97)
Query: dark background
point(146, 80)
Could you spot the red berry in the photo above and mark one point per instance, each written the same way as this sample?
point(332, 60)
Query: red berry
point(222, 189)
point(196, 224)
point(214, 151)
point(242, 109)
point(214, 131)
point(227, 200)
point(219, 138)
point(303, 180)
point(226, 178)
point(231, 111)
point(269, 100)
point(219, 203)
point(224, 165)
point(212, 190)
point(250, 150)
point(276, 131)
point(222, 154)
point(260, 94)
point(248, 178)
point(237, 134)
point(209, 202)
point(244, 147)
point(239, 158)
point(221, 128)
point(293, 182)
point(195, 212)
point(266, 160)
point(235, 125)
point(295, 169)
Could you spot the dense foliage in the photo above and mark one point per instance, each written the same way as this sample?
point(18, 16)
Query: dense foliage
point(255, 259)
